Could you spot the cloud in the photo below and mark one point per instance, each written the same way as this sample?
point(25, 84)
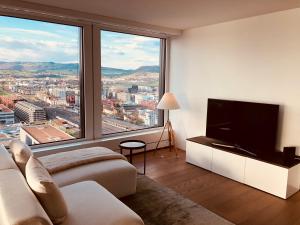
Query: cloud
point(129, 51)
point(30, 40)
point(11, 55)
point(131, 60)
point(31, 32)
point(118, 50)
point(13, 49)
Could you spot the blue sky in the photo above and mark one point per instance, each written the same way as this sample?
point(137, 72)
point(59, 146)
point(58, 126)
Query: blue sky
point(128, 51)
point(35, 41)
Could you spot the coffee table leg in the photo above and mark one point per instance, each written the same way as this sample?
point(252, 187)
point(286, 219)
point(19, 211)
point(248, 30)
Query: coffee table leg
point(131, 156)
point(144, 160)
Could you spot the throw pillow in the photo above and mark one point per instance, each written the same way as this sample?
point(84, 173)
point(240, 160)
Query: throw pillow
point(20, 153)
point(48, 193)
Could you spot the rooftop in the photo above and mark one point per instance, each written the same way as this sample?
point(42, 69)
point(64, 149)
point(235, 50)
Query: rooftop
point(46, 133)
point(29, 105)
point(3, 136)
point(3, 108)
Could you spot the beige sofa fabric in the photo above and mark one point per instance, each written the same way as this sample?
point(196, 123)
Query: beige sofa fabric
point(6, 161)
point(18, 205)
point(21, 153)
point(117, 176)
point(67, 160)
point(102, 208)
point(84, 203)
point(42, 184)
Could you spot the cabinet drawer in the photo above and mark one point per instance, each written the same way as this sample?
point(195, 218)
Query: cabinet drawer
point(199, 155)
point(228, 165)
point(267, 177)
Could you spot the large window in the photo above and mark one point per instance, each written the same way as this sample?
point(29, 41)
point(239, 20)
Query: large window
point(50, 83)
point(131, 82)
point(40, 85)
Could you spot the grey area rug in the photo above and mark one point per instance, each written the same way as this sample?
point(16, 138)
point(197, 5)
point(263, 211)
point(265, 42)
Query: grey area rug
point(159, 205)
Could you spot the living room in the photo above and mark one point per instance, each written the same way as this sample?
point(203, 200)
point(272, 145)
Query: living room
point(155, 112)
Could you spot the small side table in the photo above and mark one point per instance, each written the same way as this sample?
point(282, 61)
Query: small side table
point(132, 145)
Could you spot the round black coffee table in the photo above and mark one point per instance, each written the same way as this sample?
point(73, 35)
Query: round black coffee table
point(133, 145)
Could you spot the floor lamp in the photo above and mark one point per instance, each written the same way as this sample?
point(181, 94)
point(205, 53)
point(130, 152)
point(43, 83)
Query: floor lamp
point(168, 102)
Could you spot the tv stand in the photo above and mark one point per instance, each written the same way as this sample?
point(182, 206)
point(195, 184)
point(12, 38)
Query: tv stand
point(270, 174)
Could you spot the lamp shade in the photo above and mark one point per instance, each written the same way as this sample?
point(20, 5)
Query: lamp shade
point(168, 101)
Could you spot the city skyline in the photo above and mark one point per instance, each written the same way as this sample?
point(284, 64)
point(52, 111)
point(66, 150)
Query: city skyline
point(37, 62)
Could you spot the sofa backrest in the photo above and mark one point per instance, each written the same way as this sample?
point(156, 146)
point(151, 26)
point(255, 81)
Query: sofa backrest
point(18, 204)
point(6, 161)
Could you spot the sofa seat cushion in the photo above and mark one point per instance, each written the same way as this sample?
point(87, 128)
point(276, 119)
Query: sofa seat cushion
point(6, 161)
point(117, 176)
point(91, 204)
point(17, 203)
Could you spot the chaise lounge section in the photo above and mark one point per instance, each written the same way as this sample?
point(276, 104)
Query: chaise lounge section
point(87, 202)
point(110, 169)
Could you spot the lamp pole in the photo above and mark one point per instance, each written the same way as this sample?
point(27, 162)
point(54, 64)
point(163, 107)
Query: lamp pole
point(171, 136)
point(168, 102)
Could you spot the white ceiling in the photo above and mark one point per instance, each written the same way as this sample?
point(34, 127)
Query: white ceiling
point(179, 14)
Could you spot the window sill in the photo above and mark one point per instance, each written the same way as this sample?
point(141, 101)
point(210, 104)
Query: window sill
point(150, 136)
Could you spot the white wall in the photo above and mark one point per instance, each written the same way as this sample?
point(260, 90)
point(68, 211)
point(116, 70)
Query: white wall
point(254, 59)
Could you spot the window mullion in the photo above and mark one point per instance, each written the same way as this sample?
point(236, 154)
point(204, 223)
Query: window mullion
point(87, 54)
point(97, 82)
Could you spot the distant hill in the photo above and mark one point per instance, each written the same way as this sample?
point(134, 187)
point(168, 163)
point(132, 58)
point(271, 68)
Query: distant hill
point(38, 66)
point(108, 71)
point(66, 68)
point(150, 69)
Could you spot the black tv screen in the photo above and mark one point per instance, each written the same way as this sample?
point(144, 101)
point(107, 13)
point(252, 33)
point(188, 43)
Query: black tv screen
point(246, 125)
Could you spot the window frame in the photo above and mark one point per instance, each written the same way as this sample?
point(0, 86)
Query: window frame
point(89, 74)
point(83, 72)
point(162, 78)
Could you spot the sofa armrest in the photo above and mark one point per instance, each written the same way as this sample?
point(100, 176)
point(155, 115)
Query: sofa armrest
point(18, 205)
point(91, 204)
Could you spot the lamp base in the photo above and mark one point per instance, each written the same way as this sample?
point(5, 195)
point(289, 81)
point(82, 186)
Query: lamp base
point(171, 137)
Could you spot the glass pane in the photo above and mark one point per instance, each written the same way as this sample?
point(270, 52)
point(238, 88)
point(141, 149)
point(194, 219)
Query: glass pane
point(39, 81)
point(130, 68)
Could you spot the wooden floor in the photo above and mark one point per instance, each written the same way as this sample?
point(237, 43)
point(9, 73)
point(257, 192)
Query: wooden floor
point(236, 202)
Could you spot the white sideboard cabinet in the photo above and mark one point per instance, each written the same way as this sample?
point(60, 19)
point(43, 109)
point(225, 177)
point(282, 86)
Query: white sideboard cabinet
point(274, 176)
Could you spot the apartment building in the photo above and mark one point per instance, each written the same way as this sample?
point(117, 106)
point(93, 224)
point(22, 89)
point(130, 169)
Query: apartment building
point(7, 116)
point(29, 113)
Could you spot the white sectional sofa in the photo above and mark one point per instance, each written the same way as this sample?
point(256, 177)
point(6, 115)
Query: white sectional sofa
point(88, 202)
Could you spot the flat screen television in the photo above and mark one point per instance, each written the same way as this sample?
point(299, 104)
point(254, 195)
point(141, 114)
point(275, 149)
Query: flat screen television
point(247, 126)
